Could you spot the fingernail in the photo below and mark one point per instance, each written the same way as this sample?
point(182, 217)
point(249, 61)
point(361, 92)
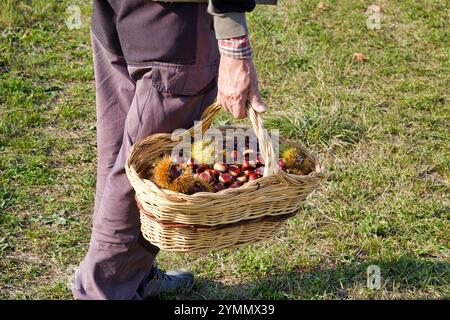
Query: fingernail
point(259, 107)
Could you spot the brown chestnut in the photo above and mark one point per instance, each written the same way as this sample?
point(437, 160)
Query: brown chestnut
point(235, 184)
point(242, 179)
point(201, 168)
point(281, 164)
point(222, 167)
point(259, 171)
point(248, 172)
point(252, 176)
point(234, 170)
point(219, 186)
point(205, 177)
point(226, 178)
point(247, 165)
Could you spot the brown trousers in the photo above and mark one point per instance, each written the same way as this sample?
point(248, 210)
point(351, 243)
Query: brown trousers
point(134, 100)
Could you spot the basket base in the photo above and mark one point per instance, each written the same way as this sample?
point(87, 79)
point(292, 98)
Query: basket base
point(198, 241)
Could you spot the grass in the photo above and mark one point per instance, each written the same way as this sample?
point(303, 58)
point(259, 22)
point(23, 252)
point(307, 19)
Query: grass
point(380, 127)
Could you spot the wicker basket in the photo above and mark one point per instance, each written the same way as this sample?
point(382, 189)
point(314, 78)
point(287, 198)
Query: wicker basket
point(229, 218)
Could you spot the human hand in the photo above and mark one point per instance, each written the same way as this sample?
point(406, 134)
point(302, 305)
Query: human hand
point(238, 84)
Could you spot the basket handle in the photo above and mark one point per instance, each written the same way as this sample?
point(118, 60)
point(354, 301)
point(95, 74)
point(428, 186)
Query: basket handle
point(265, 143)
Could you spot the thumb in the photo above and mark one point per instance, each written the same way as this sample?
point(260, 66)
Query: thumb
point(256, 102)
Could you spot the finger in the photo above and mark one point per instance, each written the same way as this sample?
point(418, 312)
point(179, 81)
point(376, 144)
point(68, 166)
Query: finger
point(255, 98)
point(223, 103)
point(256, 102)
point(239, 111)
point(238, 107)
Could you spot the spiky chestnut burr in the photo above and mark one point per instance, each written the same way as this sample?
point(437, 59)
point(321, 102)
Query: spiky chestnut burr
point(170, 176)
point(289, 156)
point(203, 151)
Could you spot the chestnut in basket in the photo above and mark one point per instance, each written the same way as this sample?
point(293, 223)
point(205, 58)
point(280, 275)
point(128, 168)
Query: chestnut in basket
point(169, 175)
point(226, 178)
point(213, 173)
point(247, 165)
point(222, 167)
point(235, 184)
point(242, 179)
point(219, 186)
point(281, 164)
point(259, 171)
point(206, 177)
point(234, 170)
point(201, 168)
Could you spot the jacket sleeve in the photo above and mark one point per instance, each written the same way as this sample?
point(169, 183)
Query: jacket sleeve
point(229, 17)
point(224, 6)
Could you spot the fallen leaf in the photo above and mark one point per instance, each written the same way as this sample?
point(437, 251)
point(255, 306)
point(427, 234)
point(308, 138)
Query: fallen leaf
point(360, 57)
point(321, 6)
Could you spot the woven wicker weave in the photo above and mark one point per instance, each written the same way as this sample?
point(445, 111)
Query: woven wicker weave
point(275, 194)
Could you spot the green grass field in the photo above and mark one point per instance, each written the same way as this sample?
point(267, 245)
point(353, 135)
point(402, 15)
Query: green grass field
point(381, 128)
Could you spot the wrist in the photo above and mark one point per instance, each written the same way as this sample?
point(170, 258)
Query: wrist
point(237, 47)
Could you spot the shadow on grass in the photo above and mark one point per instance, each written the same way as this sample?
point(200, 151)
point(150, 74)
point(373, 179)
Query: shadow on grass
point(399, 277)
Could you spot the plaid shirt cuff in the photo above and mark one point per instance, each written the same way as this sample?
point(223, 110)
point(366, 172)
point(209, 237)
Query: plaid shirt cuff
point(238, 48)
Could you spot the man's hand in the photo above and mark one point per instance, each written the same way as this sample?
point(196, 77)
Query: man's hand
point(237, 84)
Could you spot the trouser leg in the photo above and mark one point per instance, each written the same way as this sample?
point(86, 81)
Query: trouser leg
point(118, 259)
point(115, 91)
point(114, 94)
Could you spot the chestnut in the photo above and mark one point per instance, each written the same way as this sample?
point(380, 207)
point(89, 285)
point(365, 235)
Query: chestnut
point(174, 172)
point(226, 178)
point(259, 171)
point(281, 164)
point(205, 177)
point(234, 170)
point(247, 165)
point(222, 167)
point(212, 173)
point(242, 179)
point(248, 172)
point(201, 168)
point(252, 176)
point(219, 186)
point(235, 184)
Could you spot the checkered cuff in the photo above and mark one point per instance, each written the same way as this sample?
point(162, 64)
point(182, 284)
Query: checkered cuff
point(238, 48)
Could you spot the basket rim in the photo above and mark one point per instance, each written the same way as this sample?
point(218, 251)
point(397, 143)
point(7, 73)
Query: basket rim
point(312, 178)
